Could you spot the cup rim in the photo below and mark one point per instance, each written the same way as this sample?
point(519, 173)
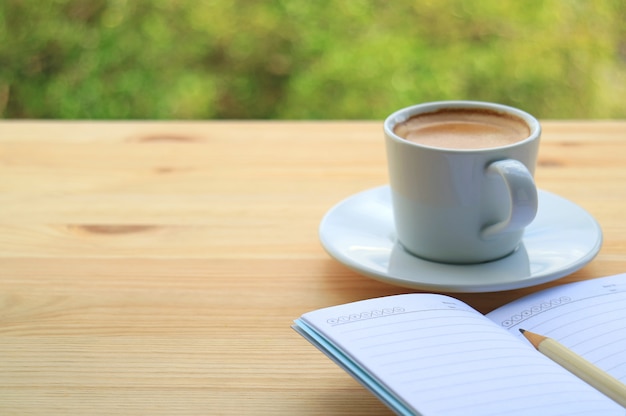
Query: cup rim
point(405, 113)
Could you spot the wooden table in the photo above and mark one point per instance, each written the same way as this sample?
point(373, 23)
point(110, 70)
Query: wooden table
point(155, 267)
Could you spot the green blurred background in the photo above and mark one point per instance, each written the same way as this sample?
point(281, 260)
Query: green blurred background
point(307, 59)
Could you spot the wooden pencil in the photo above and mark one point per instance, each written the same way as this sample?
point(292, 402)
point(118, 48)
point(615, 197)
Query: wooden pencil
point(579, 366)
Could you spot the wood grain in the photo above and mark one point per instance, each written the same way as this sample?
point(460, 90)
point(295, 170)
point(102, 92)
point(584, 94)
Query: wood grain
point(155, 267)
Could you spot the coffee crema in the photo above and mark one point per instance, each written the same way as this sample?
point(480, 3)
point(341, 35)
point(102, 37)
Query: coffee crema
point(463, 128)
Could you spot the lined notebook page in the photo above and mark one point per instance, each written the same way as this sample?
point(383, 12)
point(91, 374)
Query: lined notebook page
point(441, 357)
point(588, 317)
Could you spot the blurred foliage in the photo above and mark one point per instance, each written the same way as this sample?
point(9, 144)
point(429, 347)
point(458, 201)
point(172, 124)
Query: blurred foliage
point(302, 59)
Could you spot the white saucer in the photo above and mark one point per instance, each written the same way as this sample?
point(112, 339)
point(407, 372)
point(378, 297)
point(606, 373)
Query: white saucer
point(359, 232)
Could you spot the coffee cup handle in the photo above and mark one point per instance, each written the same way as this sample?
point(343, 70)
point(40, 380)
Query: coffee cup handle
point(523, 194)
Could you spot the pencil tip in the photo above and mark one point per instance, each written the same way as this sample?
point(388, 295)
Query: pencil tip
point(522, 330)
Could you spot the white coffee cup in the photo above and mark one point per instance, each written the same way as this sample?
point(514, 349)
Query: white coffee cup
point(458, 194)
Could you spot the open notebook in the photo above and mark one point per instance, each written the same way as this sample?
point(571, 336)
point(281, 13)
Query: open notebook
point(430, 354)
